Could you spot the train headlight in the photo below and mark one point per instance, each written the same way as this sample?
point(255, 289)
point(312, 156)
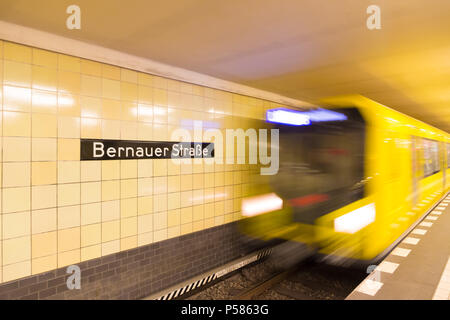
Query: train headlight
point(261, 204)
point(355, 220)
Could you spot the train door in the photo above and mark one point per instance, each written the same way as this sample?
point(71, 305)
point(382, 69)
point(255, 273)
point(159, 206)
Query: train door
point(444, 165)
point(415, 165)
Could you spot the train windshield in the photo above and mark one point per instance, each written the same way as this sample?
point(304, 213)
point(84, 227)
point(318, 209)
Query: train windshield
point(321, 165)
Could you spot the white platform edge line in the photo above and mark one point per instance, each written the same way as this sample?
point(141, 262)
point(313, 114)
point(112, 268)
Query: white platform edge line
point(443, 289)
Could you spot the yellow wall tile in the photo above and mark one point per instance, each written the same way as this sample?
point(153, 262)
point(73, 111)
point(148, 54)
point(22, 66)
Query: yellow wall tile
point(16, 174)
point(68, 258)
point(16, 250)
point(68, 104)
point(173, 200)
point(110, 247)
point(68, 194)
point(186, 228)
point(145, 95)
point(128, 243)
point(43, 149)
point(91, 234)
point(145, 112)
point(197, 213)
point(128, 169)
point(68, 239)
point(91, 170)
point(44, 79)
point(43, 197)
point(69, 82)
point(128, 91)
point(128, 188)
point(110, 190)
point(110, 210)
point(16, 199)
point(145, 79)
point(91, 213)
point(43, 264)
point(110, 89)
point(128, 207)
point(110, 169)
point(68, 171)
point(44, 125)
point(91, 68)
point(128, 130)
point(145, 223)
point(160, 220)
point(16, 270)
point(43, 220)
point(110, 72)
point(68, 149)
point(68, 127)
point(128, 227)
point(91, 86)
point(69, 63)
point(129, 111)
point(91, 252)
point(43, 173)
point(16, 124)
point(160, 167)
point(160, 235)
point(45, 58)
point(160, 203)
point(145, 238)
point(16, 224)
point(91, 192)
point(159, 97)
point(91, 107)
point(16, 74)
point(145, 205)
point(16, 52)
point(111, 109)
point(43, 244)
point(173, 184)
point(173, 232)
point(110, 230)
point(91, 128)
point(110, 129)
point(173, 218)
point(16, 99)
point(68, 217)
point(128, 75)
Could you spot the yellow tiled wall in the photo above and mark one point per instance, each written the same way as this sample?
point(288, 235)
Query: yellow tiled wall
point(57, 210)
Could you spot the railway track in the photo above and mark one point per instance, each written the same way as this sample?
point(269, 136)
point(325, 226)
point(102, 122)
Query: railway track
point(306, 281)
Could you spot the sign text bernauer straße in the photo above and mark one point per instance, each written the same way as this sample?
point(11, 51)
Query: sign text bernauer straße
point(98, 149)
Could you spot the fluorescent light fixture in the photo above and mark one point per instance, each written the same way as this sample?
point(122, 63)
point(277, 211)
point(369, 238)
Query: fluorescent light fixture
point(320, 115)
point(303, 118)
point(355, 220)
point(286, 116)
point(260, 204)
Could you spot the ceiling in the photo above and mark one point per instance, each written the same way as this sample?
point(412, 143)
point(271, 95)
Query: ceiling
point(303, 49)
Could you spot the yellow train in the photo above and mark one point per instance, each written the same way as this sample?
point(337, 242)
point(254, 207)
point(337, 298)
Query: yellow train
point(350, 186)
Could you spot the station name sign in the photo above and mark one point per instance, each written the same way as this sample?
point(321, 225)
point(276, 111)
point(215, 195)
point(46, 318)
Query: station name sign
point(98, 149)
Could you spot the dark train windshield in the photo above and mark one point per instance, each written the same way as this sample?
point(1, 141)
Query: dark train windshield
point(321, 165)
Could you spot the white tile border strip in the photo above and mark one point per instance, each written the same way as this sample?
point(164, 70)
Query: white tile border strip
point(443, 289)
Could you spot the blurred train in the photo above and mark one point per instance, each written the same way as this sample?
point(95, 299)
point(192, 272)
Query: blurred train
point(352, 181)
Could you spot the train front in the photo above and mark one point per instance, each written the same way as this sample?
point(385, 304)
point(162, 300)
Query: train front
point(320, 175)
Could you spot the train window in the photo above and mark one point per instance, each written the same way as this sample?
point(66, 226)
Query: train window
point(431, 157)
point(322, 163)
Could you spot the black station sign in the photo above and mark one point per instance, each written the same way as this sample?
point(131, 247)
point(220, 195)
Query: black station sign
point(97, 149)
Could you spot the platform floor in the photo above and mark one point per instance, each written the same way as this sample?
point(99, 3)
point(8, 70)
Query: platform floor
point(418, 268)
